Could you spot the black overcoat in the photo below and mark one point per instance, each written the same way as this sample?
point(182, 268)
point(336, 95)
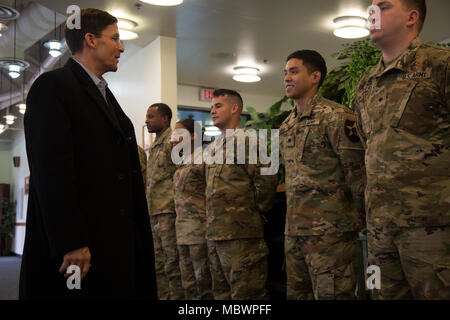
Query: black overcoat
point(86, 189)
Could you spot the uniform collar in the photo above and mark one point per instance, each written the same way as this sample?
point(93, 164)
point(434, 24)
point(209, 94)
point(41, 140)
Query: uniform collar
point(309, 106)
point(163, 137)
point(402, 62)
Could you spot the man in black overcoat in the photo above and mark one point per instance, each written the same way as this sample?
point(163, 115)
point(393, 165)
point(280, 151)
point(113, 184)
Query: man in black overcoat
point(87, 203)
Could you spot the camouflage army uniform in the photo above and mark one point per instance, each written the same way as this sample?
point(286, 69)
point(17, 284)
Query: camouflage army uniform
point(403, 116)
point(236, 196)
point(324, 167)
point(189, 195)
point(143, 163)
point(160, 170)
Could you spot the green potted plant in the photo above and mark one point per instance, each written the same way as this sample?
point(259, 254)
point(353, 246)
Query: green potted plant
point(7, 225)
point(358, 57)
point(271, 119)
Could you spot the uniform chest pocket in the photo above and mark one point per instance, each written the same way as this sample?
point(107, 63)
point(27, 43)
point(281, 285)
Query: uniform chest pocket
point(302, 136)
point(365, 122)
point(294, 144)
point(401, 105)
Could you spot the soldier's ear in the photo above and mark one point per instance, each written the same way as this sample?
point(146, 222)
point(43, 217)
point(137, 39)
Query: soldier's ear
point(316, 77)
point(413, 18)
point(234, 108)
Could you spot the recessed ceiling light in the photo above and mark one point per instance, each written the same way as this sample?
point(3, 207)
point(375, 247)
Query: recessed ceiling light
point(351, 27)
point(125, 29)
point(164, 2)
point(246, 74)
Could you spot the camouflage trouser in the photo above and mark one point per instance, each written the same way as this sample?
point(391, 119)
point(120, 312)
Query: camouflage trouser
point(195, 274)
point(414, 262)
point(322, 267)
point(238, 269)
point(168, 276)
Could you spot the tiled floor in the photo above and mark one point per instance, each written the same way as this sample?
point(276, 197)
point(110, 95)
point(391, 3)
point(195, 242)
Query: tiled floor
point(9, 278)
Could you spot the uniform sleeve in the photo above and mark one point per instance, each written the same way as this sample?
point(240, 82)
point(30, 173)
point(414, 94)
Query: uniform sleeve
point(346, 144)
point(447, 86)
point(358, 103)
point(50, 150)
point(265, 185)
point(143, 164)
point(171, 167)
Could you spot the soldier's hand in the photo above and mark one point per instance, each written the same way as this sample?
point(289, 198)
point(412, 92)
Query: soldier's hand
point(80, 257)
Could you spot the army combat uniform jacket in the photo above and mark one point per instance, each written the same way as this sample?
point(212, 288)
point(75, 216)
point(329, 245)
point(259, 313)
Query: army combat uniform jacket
point(403, 114)
point(236, 196)
point(324, 166)
point(143, 163)
point(160, 170)
point(189, 195)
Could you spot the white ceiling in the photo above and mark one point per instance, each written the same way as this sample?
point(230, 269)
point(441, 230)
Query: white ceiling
point(215, 35)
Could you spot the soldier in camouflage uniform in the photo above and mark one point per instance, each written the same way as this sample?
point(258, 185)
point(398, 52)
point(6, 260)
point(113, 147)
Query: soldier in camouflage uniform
point(324, 170)
point(403, 111)
point(189, 195)
point(236, 197)
point(160, 170)
point(143, 163)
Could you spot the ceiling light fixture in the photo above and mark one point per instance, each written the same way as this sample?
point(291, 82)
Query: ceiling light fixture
point(164, 2)
point(10, 119)
point(125, 29)
point(3, 27)
point(22, 106)
point(13, 66)
point(351, 27)
point(55, 46)
point(246, 74)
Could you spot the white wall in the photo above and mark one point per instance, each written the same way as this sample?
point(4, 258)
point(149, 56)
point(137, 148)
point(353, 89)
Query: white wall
point(5, 162)
point(17, 186)
point(146, 77)
point(189, 96)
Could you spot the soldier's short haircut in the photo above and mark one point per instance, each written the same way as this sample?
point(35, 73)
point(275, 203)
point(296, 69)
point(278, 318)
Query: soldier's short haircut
point(91, 21)
point(419, 5)
point(233, 95)
point(190, 125)
point(163, 110)
point(312, 60)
